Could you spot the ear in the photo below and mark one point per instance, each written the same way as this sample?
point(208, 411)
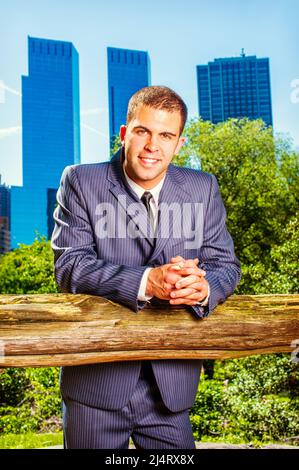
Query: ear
point(122, 133)
point(181, 142)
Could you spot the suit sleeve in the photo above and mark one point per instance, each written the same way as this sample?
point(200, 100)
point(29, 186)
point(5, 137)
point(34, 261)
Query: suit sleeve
point(216, 255)
point(76, 265)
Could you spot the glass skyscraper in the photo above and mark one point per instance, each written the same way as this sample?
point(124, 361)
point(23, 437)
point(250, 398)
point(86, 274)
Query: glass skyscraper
point(128, 71)
point(4, 217)
point(51, 135)
point(233, 88)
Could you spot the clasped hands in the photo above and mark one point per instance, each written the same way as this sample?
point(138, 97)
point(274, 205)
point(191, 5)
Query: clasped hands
point(180, 281)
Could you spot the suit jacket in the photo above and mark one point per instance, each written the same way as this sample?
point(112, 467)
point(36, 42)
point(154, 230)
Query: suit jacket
point(113, 268)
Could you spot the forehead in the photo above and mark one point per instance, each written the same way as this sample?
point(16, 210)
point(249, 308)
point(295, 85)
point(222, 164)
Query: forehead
point(156, 119)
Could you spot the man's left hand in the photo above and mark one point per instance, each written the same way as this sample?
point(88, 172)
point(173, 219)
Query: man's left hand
point(191, 288)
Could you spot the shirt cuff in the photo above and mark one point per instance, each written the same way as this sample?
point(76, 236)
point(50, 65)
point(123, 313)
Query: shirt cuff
point(205, 302)
point(142, 288)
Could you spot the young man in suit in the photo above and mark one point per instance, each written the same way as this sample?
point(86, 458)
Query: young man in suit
point(105, 404)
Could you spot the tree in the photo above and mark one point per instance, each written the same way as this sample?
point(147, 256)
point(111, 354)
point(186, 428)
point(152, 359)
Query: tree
point(28, 270)
point(259, 183)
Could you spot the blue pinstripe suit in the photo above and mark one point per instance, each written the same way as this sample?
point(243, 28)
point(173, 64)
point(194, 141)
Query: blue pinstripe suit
point(113, 268)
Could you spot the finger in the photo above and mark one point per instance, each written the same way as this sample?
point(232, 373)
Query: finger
point(188, 262)
point(199, 286)
point(192, 263)
point(198, 296)
point(180, 264)
point(186, 281)
point(194, 260)
point(176, 266)
point(172, 277)
point(177, 259)
point(182, 301)
point(167, 287)
point(186, 271)
point(183, 292)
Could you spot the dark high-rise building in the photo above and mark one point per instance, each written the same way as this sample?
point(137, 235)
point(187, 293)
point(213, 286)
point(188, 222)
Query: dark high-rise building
point(4, 218)
point(128, 71)
point(234, 88)
point(51, 135)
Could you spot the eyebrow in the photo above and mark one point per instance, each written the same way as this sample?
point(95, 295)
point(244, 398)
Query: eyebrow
point(148, 130)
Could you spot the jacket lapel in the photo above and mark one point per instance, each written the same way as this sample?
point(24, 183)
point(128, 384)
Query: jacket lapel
point(125, 196)
point(173, 191)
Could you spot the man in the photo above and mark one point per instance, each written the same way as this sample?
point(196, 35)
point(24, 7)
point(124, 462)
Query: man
point(105, 404)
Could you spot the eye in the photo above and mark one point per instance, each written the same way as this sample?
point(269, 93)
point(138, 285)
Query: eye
point(141, 131)
point(166, 136)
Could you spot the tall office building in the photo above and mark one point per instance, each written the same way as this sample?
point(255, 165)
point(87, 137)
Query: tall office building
point(233, 88)
point(4, 217)
point(51, 135)
point(128, 71)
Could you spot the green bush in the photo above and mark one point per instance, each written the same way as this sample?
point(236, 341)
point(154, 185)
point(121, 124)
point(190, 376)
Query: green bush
point(19, 420)
point(267, 418)
point(260, 375)
point(13, 383)
point(207, 415)
point(40, 407)
point(253, 399)
point(28, 269)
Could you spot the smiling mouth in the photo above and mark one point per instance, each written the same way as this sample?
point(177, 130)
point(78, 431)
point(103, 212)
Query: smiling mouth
point(147, 161)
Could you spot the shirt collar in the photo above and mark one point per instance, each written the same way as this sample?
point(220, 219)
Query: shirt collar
point(155, 191)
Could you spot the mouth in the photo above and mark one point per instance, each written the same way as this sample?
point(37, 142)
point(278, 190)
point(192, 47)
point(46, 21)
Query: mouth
point(148, 161)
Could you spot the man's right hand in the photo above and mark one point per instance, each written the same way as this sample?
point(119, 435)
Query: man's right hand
point(158, 284)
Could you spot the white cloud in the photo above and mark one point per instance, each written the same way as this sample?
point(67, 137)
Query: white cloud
point(9, 131)
point(10, 90)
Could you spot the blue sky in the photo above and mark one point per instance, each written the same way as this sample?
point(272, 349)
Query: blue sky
point(177, 34)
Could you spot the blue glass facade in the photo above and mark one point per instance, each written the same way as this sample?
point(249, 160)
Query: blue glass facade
point(128, 71)
point(4, 217)
point(51, 135)
point(233, 88)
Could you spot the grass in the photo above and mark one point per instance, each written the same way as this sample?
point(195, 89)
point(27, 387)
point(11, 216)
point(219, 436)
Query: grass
point(37, 441)
point(255, 443)
point(30, 440)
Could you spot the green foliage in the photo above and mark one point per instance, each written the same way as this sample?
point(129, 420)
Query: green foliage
point(13, 383)
point(207, 413)
point(259, 182)
point(256, 376)
point(32, 400)
point(255, 398)
point(28, 269)
point(115, 145)
point(267, 418)
point(30, 440)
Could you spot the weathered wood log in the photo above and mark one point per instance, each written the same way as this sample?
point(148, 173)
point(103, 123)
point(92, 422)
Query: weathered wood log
point(66, 329)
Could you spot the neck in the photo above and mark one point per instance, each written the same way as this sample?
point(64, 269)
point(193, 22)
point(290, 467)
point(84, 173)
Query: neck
point(145, 184)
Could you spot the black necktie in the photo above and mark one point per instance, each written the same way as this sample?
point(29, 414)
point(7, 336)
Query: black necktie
point(145, 198)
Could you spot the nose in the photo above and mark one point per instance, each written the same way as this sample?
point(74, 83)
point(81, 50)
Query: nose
point(152, 143)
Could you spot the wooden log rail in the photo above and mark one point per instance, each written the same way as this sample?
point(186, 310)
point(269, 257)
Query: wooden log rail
point(67, 329)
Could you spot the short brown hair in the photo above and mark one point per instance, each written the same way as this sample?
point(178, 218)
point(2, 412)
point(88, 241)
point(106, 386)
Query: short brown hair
point(158, 97)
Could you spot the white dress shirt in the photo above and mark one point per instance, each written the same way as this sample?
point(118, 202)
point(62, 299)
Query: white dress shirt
point(154, 201)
